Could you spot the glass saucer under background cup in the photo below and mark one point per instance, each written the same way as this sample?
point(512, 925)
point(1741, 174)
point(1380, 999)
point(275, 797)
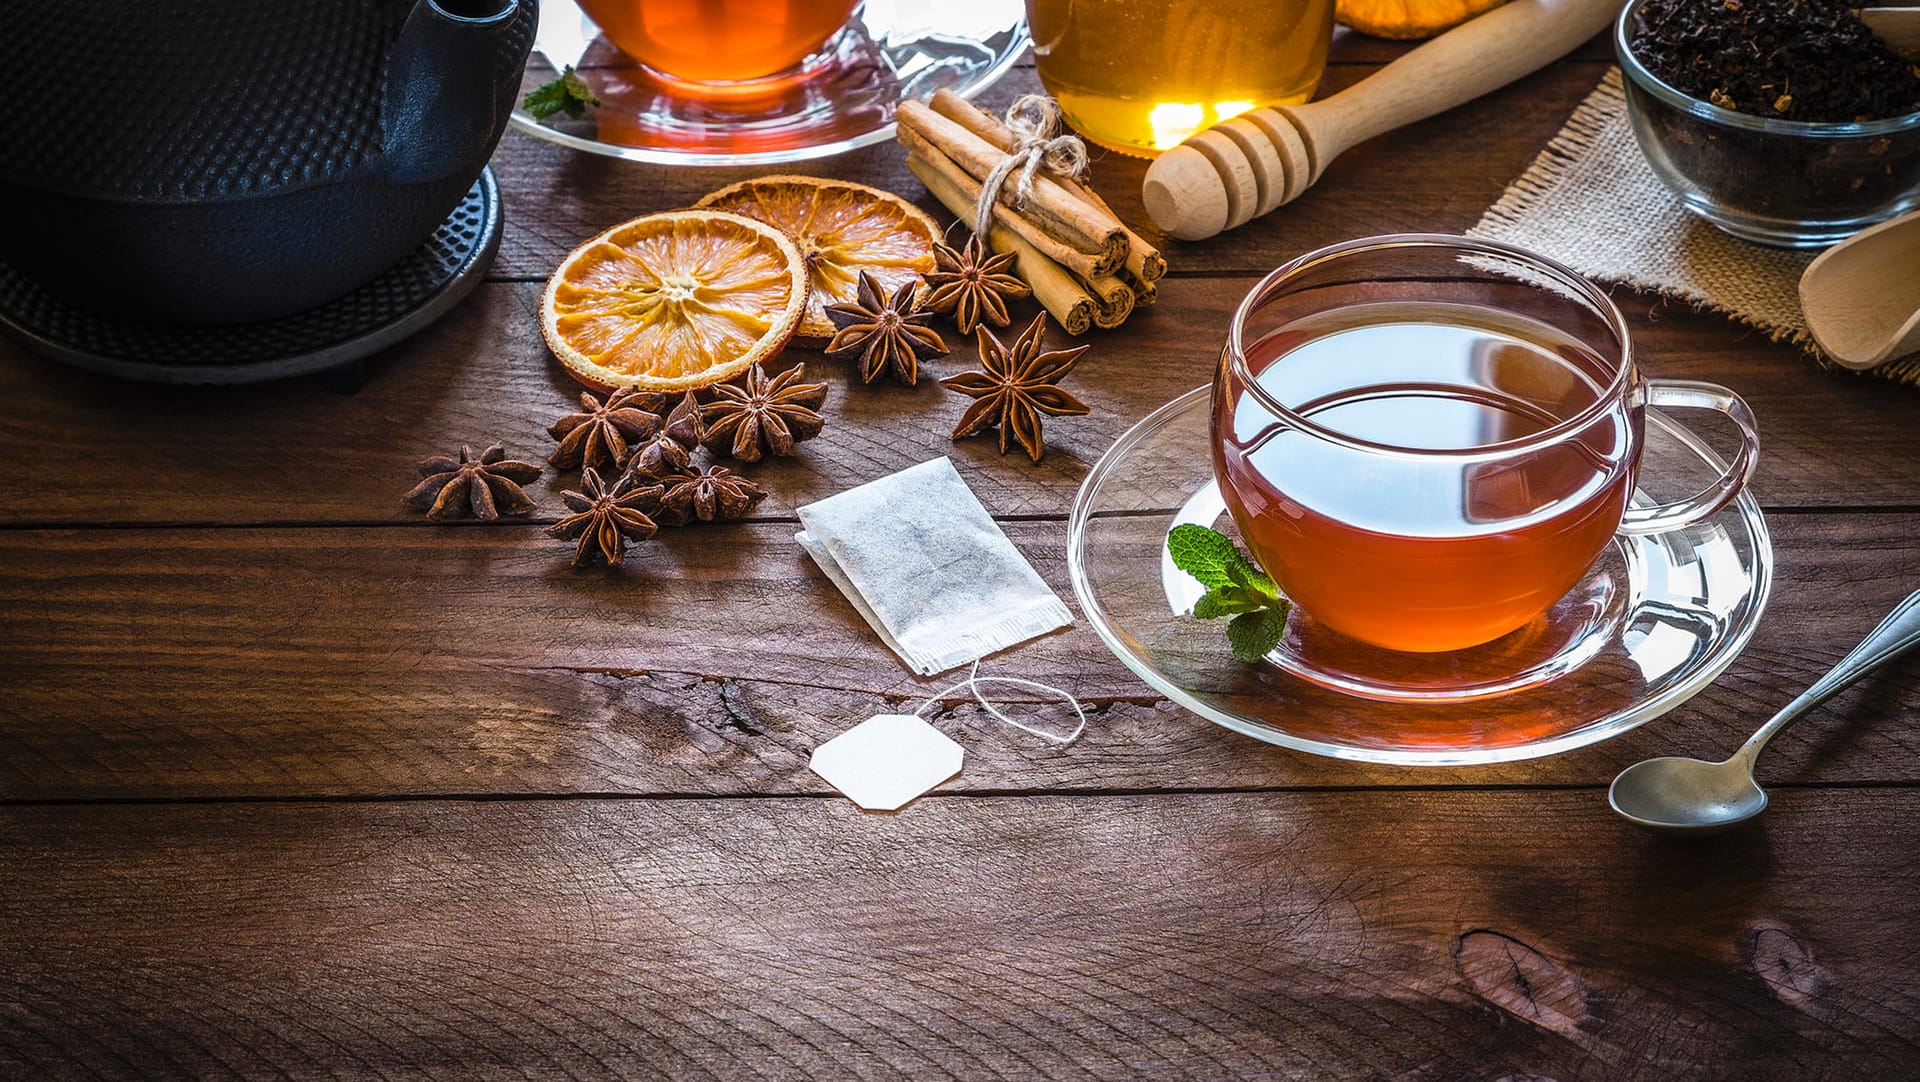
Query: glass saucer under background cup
point(838, 99)
point(1655, 620)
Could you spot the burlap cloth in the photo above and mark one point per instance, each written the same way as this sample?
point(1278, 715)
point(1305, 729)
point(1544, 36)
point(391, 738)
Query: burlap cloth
point(1591, 201)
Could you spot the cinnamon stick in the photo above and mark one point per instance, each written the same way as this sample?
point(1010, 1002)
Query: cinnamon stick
point(1064, 298)
point(1111, 292)
point(1114, 302)
point(1060, 213)
point(1080, 263)
point(1144, 261)
point(1144, 293)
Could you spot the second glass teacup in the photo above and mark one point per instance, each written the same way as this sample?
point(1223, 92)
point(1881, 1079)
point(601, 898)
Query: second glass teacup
point(1427, 440)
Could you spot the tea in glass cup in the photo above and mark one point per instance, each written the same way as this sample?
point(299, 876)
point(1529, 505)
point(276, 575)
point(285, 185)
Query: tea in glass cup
point(1139, 76)
point(1427, 440)
point(719, 40)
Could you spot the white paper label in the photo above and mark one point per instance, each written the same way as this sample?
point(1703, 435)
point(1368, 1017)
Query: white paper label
point(887, 760)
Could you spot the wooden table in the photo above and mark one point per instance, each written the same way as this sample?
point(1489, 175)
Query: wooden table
point(297, 784)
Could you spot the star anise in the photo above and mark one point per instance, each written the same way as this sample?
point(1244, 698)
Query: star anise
point(487, 486)
point(659, 457)
point(602, 433)
point(716, 494)
point(1017, 387)
point(670, 451)
point(765, 416)
point(684, 423)
point(889, 333)
point(604, 519)
point(972, 285)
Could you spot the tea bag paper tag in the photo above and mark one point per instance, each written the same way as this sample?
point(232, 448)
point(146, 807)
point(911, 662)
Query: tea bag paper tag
point(887, 760)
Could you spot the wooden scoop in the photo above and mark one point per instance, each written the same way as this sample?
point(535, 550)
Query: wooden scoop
point(1244, 167)
point(1898, 27)
point(1862, 296)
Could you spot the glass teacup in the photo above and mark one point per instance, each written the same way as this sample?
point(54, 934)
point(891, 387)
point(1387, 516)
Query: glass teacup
point(1427, 440)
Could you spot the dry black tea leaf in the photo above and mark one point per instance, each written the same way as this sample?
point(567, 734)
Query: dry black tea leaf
point(1811, 60)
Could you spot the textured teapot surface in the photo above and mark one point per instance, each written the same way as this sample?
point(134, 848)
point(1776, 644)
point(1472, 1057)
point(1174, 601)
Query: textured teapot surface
point(222, 99)
point(311, 141)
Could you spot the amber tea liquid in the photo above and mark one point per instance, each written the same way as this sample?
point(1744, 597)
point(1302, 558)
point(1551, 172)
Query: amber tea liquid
point(1424, 552)
point(1139, 76)
point(719, 40)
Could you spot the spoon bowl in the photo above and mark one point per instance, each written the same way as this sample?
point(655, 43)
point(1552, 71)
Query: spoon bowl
point(1687, 796)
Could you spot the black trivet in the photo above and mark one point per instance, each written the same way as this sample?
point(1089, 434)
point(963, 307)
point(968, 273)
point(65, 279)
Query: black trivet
point(413, 293)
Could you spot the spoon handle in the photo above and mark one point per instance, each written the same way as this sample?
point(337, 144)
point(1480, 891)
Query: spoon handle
point(1897, 634)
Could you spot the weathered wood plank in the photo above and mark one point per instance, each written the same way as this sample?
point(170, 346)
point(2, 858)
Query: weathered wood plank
point(1436, 176)
point(175, 663)
point(1310, 935)
point(85, 449)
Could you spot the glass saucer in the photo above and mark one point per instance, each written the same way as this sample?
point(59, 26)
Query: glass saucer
point(836, 100)
point(1655, 621)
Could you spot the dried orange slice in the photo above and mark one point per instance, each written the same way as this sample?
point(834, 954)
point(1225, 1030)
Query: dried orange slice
point(674, 301)
point(843, 228)
point(1407, 19)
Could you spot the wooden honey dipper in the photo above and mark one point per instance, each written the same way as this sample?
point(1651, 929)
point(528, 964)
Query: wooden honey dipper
point(1244, 167)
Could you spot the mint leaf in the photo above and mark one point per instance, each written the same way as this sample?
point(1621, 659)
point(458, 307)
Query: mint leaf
point(568, 93)
point(1253, 635)
point(1225, 601)
point(1205, 554)
point(1236, 587)
point(1242, 573)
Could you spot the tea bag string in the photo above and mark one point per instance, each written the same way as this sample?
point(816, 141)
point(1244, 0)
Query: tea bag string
point(1033, 119)
point(973, 682)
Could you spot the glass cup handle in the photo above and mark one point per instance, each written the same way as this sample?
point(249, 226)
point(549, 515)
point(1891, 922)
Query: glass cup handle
point(1692, 394)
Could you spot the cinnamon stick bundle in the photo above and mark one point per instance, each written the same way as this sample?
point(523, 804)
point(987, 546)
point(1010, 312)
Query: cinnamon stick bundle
point(1064, 298)
point(1063, 215)
point(1085, 266)
point(1144, 261)
point(1081, 263)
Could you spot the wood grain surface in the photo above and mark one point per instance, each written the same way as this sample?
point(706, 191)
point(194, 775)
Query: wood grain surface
point(295, 784)
point(447, 660)
point(1290, 935)
point(247, 455)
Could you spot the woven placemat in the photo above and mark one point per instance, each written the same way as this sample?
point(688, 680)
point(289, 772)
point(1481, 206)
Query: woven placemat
point(1591, 201)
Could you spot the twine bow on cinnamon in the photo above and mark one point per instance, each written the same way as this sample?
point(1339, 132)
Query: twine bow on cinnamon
point(1033, 119)
point(1086, 268)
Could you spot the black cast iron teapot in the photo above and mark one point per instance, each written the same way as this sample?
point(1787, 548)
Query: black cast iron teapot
point(217, 161)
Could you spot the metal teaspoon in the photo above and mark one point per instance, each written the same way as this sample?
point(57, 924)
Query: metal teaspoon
point(1692, 796)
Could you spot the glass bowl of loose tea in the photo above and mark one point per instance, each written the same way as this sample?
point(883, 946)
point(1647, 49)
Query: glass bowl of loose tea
point(1786, 122)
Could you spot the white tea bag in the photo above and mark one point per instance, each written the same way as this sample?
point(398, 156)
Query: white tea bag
point(929, 568)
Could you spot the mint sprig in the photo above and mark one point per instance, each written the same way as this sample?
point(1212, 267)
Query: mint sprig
point(1236, 587)
point(567, 93)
